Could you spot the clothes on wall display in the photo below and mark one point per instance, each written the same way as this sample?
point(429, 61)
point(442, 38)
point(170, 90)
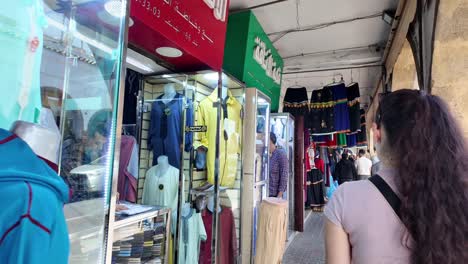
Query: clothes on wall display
point(296, 101)
point(165, 134)
point(279, 172)
point(362, 136)
point(272, 231)
point(127, 182)
point(353, 95)
point(21, 44)
point(162, 186)
point(132, 87)
point(227, 237)
point(322, 112)
point(192, 233)
point(229, 140)
point(342, 124)
point(351, 140)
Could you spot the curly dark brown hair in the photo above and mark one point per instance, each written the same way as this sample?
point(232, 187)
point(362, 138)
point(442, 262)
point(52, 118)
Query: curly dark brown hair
point(432, 158)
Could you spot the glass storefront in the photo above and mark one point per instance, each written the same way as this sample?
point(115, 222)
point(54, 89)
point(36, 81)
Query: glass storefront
point(62, 64)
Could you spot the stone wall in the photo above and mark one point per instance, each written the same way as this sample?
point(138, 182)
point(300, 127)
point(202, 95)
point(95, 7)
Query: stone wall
point(404, 71)
point(450, 64)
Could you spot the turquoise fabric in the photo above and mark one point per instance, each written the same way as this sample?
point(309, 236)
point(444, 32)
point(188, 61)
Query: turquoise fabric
point(32, 224)
point(21, 21)
point(189, 246)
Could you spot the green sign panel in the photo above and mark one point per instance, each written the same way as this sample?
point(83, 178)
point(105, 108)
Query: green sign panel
point(250, 56)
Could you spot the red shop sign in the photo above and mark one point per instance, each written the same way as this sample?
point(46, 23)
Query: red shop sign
point(195, 27)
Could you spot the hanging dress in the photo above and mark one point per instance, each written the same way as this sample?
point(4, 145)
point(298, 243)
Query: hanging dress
point(296, 101)
point(321, 116)
point(362, 136)
point(341, 110)
point(353, 95)
point(315, 193)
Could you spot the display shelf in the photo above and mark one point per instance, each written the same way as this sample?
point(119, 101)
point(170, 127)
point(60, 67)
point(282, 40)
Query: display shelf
point(142, 237)
point(122, 221)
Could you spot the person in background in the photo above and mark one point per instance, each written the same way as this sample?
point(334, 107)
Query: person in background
point(279, 170)
point(345, 170)
point(426, 222)
point(363, 165)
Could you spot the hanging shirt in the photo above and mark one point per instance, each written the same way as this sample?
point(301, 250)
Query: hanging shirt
point(161, 188)
point(127, 183)
point(165, 136)
point(229, 137)
point(21, 42)
point(192, 233)
point(227, 237)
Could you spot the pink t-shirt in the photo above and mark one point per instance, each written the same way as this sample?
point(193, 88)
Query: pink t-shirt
point(376, 233)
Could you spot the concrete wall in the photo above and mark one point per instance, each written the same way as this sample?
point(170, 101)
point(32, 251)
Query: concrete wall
point(450, 65)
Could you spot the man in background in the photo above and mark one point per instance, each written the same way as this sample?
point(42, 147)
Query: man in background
point(363, 165)
point(345, 170)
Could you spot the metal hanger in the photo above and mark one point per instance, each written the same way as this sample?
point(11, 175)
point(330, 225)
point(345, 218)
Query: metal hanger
point(352, 81)
point(296, 85)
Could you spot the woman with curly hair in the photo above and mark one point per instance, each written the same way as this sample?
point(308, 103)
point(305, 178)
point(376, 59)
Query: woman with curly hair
point(418, 212)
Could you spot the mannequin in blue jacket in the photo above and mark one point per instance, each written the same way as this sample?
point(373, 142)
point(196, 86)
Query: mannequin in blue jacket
point(32, 195)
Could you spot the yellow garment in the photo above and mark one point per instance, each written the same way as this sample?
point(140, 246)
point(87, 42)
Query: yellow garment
point(229, 149)
point(170, 252)
point(271, 231)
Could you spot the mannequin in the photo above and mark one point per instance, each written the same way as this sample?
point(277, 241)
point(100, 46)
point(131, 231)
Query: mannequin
point(44, 142)
point(186, 209)
point(192, 233)
point(165, 131)
point(163, 162)
point(32, 196)
point(224, 92)
point(169, 93)
point(210, 204)
point(46, 119)
point(162, 185)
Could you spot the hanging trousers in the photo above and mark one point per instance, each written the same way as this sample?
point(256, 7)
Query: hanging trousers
point(272, 230)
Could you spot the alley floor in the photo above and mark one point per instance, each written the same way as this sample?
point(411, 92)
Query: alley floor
point(308, 247)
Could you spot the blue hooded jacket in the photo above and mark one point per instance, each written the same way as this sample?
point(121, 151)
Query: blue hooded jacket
point(32, 195)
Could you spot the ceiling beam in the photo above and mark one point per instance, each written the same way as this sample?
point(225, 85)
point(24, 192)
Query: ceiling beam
point(335, 69)
point(258, 6)
point(374, 47)
point(283, 33)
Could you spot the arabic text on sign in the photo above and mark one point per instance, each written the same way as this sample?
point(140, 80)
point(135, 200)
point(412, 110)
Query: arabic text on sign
point(155, 11)
point(264, 57)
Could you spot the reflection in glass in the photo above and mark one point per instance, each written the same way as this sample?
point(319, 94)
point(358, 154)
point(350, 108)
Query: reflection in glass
point(80, 74)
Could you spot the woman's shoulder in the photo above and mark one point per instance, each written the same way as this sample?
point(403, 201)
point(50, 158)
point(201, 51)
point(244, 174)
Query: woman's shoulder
point(348, 197)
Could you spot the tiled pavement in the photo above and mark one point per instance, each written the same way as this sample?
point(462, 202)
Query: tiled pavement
point(308, 247)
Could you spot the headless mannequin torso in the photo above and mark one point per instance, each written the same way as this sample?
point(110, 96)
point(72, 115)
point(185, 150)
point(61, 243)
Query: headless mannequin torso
point(224, 92)
point(210, 204)
point(163, 165)
point(44, 142)
point(169, 93)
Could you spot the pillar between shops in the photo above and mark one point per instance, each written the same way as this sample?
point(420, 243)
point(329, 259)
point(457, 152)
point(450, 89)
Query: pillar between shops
point(450, 59)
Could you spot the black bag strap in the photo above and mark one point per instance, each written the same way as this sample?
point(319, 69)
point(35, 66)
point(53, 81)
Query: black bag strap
point(387, 193)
